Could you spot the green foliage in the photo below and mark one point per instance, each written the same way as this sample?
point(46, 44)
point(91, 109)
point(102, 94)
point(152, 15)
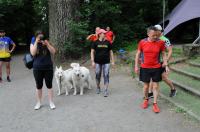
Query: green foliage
point(177, 52)
point(130, 46)
point(21, 17)
point(76, 43)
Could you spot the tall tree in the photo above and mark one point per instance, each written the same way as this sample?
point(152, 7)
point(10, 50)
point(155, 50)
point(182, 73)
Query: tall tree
point(60, 12)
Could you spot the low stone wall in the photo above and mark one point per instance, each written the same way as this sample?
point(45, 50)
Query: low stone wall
point(191, 49)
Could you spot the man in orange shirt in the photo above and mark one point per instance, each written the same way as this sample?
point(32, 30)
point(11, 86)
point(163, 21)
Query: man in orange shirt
point(93, 37)
point(110, 35)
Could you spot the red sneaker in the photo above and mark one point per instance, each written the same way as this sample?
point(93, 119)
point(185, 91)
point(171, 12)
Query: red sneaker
point(145, 104)
point(156, 108)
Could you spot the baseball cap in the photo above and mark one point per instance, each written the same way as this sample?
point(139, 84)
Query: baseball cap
point(101, 31)
point(158, 27)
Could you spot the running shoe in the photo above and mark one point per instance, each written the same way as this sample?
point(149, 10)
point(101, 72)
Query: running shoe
point(156, 108)
point(37, 106)
point(98, 91)
point(150, 95)
point(105, 92)
point(173, 93)
point(8, 79)
point(52, 105)
point(145, 104)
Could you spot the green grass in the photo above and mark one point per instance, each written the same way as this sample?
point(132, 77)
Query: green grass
point(184, 99)
point(185, 80)
point(188, 68)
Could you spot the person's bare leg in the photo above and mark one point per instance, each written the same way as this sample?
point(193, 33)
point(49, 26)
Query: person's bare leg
point(39, 98)
point(50, 96)
point(8, 71)
point(146, 90)
point(167, 81)
point(1, 64)
point(155, 91)
point(151, 87)
point(155, 94)
point(150, 92)
point(170, 84)
point(8, 68)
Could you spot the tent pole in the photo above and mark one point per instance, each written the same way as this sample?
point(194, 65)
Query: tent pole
point(163, 15)
point(196, 41)
point(199, 26)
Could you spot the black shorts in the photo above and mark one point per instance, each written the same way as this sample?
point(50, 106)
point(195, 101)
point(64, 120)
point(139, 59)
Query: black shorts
point(5, 59)
point(146, 74)
point(162, 70)
point(41, 75)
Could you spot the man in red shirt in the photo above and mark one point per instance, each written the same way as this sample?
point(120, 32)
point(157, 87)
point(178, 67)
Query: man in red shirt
point(93, 37)
point(110, 35)
point(149, 50)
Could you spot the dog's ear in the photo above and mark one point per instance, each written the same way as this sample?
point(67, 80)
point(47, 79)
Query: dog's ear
point(74, 65)
point(56, 68)
point(60, 68)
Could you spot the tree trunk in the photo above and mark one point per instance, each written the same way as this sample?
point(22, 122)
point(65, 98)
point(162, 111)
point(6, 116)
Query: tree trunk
point(60, 11)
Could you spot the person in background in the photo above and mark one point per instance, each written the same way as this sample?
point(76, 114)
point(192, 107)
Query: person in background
point(165, 71)
point(110, 35)
point(101, 56)
point(93, 37)
point(5, 53)
point(149, 50)
point(41, 49)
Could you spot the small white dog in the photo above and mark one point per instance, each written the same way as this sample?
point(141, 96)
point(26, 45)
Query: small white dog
point(80, 77)
point(63, 79)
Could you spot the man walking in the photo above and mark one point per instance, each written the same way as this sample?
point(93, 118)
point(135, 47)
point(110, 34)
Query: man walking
point(5, 53)
point(168, 46)
point(149, 50)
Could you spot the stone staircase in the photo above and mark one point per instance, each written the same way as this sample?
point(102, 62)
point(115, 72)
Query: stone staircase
point(185, 76)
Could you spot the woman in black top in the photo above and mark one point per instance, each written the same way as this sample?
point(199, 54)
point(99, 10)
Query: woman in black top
point(42, 50)
point(101, 54)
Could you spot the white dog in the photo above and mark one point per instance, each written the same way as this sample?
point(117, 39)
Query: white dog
point(63, 79)
point(80, 77)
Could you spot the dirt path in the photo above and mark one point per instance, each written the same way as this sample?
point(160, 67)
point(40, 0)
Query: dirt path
point(120, 112)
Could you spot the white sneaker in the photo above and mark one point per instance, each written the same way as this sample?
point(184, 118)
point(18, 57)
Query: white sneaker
point(52, 105)
point(37, 106)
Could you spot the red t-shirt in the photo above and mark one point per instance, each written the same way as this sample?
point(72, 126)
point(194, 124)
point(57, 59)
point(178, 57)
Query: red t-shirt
point(150, 53)
point(93, 38)
point(109, 36)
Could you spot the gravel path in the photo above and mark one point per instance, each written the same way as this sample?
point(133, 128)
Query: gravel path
point(120, 112)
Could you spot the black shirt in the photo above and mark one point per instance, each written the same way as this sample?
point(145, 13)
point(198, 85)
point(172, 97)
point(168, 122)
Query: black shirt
point(102, 51)
point(42, 60)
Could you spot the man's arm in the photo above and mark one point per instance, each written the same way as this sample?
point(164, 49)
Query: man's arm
point(50, 47)
point(137, 56)
point(112, 57)
point(33, 47)
point(169, 55)
point(89, 36)
point(164, 57)
point(92, 57)
point(113, 38)
point(13, 47)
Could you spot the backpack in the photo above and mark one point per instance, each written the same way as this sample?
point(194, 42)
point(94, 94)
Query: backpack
point(28, 60)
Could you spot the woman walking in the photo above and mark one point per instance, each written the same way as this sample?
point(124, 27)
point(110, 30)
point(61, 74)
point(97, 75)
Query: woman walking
point(101, 54)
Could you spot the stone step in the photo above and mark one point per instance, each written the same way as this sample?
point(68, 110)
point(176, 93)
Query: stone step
point(194, 64)
point(187, 88)
point(194, 76)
